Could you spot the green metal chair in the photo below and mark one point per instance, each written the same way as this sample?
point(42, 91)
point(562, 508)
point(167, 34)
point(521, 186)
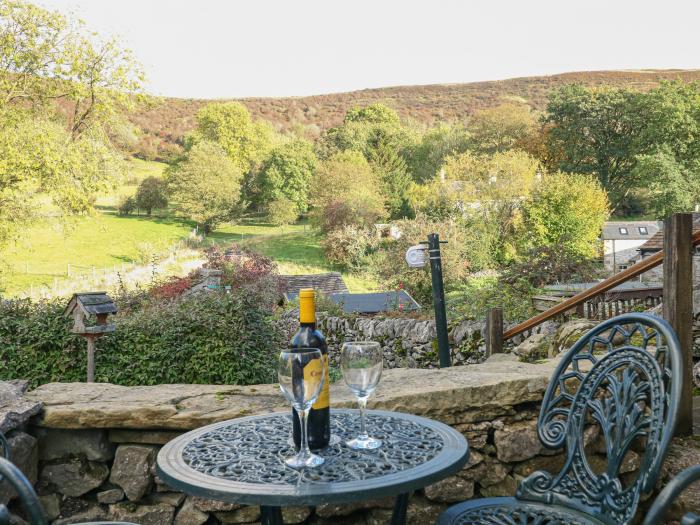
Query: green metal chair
point(32, 506)
point(665, 499)
point(624, 376)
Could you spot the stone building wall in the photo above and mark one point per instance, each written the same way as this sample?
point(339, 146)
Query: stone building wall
point(92, 449)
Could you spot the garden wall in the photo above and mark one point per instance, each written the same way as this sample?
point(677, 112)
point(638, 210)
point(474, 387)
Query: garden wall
point(406, 342)
point(92, 449)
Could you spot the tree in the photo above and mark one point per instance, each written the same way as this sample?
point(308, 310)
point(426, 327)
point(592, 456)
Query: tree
point(596, 132)
point(151, 194)
point(205, 185)
point(566, 211)
point(669, 187)
point(373, 114)
point(230, 125)
point(282, 211)
point(37, 156)
point(604, 132)
point(435, 145)
point(45, 56)
point(392, 171)
point(505, 176)
point(287, 173)
point(31, 50)
point(346, 192)
point(502, 127)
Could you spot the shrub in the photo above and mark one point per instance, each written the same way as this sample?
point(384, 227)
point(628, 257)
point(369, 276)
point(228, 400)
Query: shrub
point(171, 288)
point(348, 247)
point(544, 265)
point(390, 265)
point(476, 295)
point(247, 272)
point(127, 206)
point(207, 338)
point(282, 211)
point(359, 209)
point(145, 253)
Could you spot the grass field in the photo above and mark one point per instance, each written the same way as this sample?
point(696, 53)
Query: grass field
point(105, 241)
point(296, 249)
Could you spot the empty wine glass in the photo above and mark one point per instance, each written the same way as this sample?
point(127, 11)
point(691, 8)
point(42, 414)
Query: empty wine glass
point(361, 363)
point(301, 377)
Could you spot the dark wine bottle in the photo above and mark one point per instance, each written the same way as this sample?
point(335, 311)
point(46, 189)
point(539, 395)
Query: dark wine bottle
point(319, 419)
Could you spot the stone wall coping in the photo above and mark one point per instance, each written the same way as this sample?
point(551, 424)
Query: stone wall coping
point(488, 389)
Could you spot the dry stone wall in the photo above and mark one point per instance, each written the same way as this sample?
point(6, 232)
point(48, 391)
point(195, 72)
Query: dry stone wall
point(408, 343)
point(92, 449)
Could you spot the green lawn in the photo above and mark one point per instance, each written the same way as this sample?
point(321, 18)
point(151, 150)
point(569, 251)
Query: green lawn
point(44, 252)
point(296, 249)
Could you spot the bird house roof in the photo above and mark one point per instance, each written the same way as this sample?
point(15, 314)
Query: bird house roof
point(92, 303)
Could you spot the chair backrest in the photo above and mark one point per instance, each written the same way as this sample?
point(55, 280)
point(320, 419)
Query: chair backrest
point(621, 380)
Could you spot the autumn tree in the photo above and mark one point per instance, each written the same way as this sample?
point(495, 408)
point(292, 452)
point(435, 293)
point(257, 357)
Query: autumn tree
point(566, 211)
point(502, 127)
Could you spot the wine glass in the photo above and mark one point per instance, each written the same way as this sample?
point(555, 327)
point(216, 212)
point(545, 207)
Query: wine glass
point(361, 363)
point(301, 377)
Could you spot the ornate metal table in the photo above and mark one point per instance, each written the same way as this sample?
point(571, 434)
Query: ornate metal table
point(242, 461)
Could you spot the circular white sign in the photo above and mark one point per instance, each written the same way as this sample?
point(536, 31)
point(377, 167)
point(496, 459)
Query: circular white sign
point(415, 256)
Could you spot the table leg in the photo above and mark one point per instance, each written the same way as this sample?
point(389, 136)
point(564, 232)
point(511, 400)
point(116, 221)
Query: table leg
point(271, 515)
point(400, 509)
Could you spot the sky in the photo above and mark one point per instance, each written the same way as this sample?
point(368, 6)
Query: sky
point(243, 48)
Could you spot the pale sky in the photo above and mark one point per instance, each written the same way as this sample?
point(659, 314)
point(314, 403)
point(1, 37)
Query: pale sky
point(238, 48)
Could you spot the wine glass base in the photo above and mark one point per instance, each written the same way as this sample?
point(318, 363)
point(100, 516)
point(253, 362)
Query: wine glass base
point(368, 443)
point(300, 462)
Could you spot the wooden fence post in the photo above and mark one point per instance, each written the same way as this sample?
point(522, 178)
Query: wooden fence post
point(678, 304)
point(494, 331)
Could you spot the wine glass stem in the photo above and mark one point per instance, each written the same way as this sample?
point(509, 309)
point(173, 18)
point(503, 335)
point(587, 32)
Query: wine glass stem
point(303, 420)
point(362, 402)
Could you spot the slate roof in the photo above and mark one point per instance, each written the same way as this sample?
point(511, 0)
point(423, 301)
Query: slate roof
point(611, 230)
point(656, 243)
point(92, 303)
point(325, 283)
point(372, 303)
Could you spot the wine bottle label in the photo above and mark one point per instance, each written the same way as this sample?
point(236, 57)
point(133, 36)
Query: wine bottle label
point(324, 397)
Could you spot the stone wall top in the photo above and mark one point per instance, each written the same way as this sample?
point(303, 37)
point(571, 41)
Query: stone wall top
point(480, 391)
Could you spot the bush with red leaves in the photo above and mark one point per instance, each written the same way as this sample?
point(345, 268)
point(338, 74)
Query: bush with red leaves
point(247, 271)
point(171, 288)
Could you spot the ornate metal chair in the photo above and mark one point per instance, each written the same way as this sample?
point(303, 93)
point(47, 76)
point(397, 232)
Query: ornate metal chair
point(32, 506)
point(624, 378)
point(665, 499)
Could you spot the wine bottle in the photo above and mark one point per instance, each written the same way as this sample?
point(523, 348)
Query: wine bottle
point(319, 419)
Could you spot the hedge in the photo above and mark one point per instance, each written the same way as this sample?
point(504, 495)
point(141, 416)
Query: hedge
point(209, 338)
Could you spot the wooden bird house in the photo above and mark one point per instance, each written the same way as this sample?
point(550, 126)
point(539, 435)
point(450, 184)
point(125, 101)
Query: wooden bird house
point(90, 312)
